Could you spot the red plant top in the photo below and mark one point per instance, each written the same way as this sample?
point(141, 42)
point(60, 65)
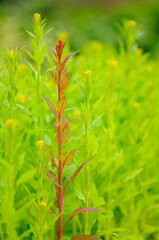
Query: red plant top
point(59, 48)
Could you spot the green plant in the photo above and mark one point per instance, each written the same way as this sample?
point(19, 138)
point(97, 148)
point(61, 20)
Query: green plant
point(62, 130)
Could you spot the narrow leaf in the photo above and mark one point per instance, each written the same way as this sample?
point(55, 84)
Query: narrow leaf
point(66, 135)
point(81, 210)
point(85, 209)
point(51, 106)
point(85, 237)
point(50, 174)
point(66, 124)
point(66, 58)
point(65, 82)
point(53, 77)
point(77, 171)
point(67, 158)
point(61, 104)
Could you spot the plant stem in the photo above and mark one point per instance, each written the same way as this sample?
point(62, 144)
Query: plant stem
point(87, 168)
point(60, 163)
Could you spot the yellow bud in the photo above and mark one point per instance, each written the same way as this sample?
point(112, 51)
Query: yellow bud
point(22, 66)
point(77, 112)
point(139, 51)
point(12, 52)
point(113, 63)
point(9, 122)
point(22, 98)
point(88, 72)
point(132, 23)
point(48, 84)
point(0, 67)
point(136, 105)
point(149, 69)
point(43, 204)
point(40, 143)
point(36, 16)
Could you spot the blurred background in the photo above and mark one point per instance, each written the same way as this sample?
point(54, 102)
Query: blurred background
point(84, 20)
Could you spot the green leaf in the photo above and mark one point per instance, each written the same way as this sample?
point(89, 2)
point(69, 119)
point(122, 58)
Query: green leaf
point(26, 176)
point(85, 237)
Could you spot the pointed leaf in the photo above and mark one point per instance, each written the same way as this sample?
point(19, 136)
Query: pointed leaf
point(51, 106)
point(85, 209)
point(77, 171)
point(66, 58)
point(54, 61)
point(65, 82)
point(81, 210)
point(54, 52)
point(66, 124)
point(50, 174)
point(85, 237)
point(67, 158)
point(61, 104)
point(53, 77)
point(66, 135)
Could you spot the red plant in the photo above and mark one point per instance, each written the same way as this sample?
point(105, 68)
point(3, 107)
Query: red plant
point(62, 129)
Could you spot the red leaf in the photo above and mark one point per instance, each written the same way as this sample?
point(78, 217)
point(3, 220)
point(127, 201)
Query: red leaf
point(61, 104)
point(54, 61)
point(51, 106)
point(85, 209)
point(66, 58)
point(50, 174)
point(55, 161)
point(85, 237)
point(54, 52)
point(67, 158)
point(81, 210)
point(66, 135)
point(52, 211)
point(53, 77)
point(65, 82)
point(76, 172)
point(66, 124)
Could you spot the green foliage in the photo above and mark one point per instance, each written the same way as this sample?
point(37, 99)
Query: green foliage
point(116, 95)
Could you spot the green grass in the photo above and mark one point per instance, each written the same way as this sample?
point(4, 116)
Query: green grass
point(118, 92)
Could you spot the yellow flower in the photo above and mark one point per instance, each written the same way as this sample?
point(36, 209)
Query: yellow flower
point(43, 204)
point(87, 72)
point(113, 63)
point(48, 84)
point(36, 16)
point(22, 66)
point(22, 98)
point(139, 51)
point(0, 67)
point(9, 122)
point(132, 23)
point(12, 52)
point(136, 105)
point(77, 112)
point(149, 69)
point(149, 84)
point(40, 143)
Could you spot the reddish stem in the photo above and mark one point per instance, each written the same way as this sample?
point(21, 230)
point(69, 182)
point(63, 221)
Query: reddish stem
point(60, 163)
